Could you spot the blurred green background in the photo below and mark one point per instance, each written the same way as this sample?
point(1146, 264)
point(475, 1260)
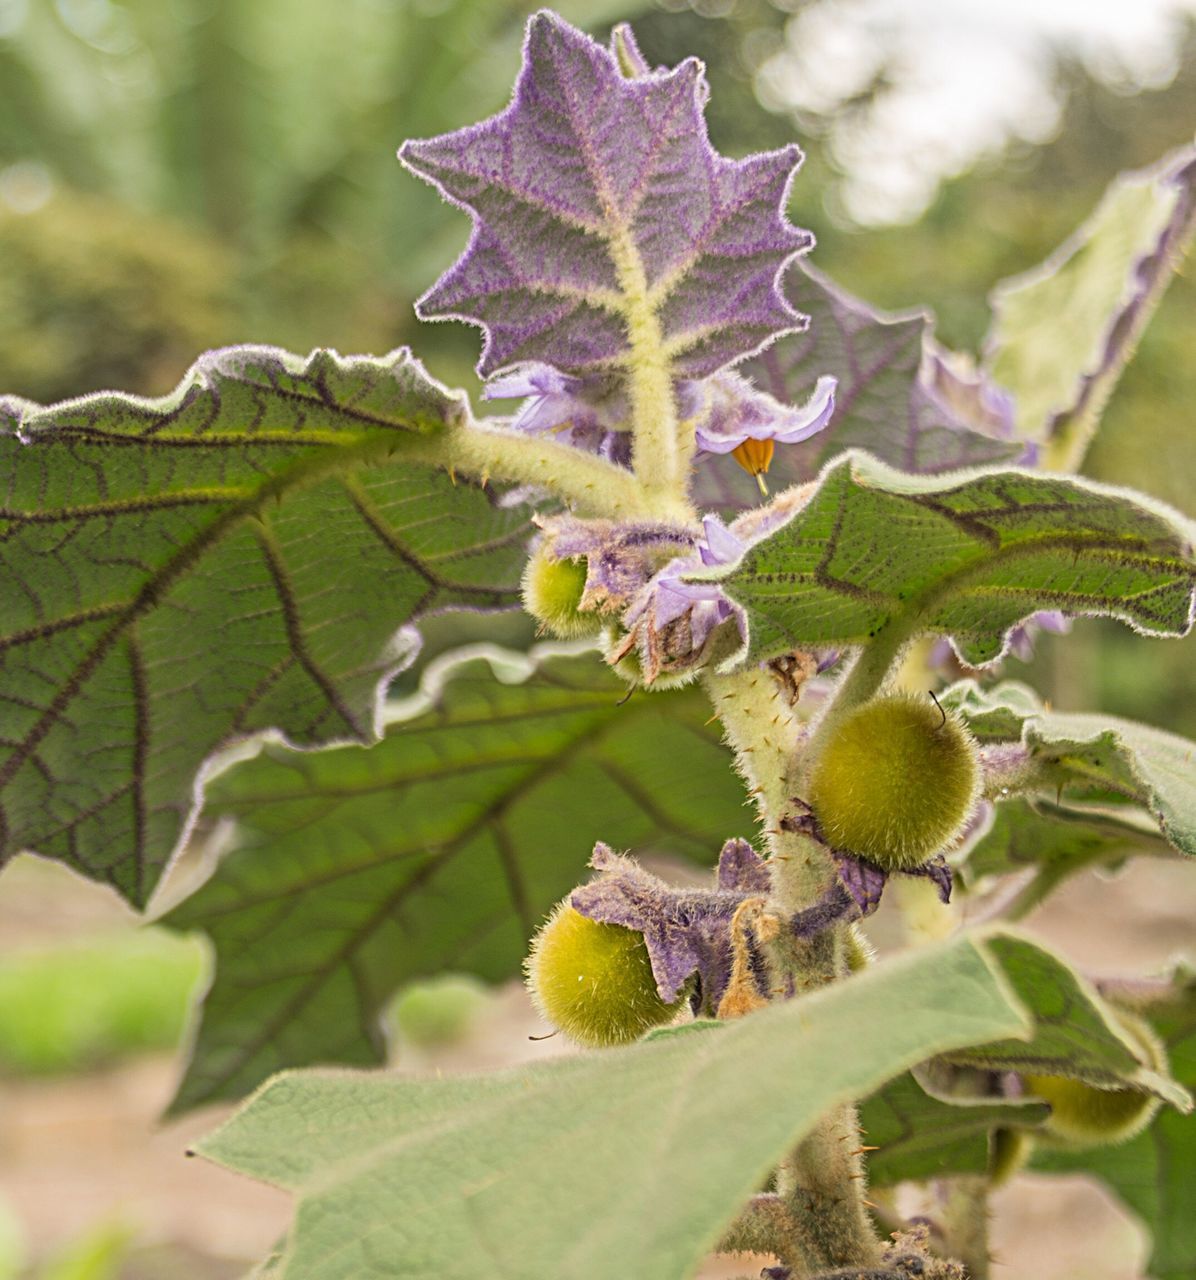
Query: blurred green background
point(181, 174)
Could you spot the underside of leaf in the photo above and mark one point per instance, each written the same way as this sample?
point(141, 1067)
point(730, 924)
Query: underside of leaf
point(443, 847)
point(185, 572)
point(601, 211)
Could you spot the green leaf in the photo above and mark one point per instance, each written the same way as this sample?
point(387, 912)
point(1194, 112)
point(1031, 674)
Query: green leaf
point(1055, 841)
point(1075, 1033)
point(1153, 1172)
point(1084, 758)
point(440, 848)
point(184, 572)
point(919, 1136)
point(546, 1171)
point(873, 552)
point(1062, 333)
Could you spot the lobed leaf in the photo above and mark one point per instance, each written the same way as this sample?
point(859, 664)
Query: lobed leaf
point(885, 402)
point(235, 557)
point(440, 848)
point(1153, 1172)
point(874, 552)
point(546, 1170)
point(1086, 758)
point(1061, 334)
point(602, 213)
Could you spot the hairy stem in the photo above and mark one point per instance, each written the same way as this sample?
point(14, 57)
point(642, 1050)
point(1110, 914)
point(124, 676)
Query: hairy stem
point(965, 1223)
point(820, 1186)
point(763, 732)
point(588, 483)
point(866, 677)
point(820, 1189)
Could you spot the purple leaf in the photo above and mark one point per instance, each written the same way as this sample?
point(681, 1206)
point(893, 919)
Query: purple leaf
point(884, 401)
point(596, 198)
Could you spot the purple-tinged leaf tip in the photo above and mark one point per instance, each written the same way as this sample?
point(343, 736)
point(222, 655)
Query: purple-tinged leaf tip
point(626, 52)
point(593, 189)
point(864, 880)
point(741, 868)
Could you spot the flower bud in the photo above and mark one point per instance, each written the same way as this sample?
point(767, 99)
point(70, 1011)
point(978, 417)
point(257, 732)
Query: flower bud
point(552, 593)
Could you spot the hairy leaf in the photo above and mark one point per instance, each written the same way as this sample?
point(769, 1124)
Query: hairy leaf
point(884, 402)
point(1056, 842)
point(1062, 333)
point(1075, 1034)
point(440, 848)
point(602, 216)
point(874, 552)
point(1153, 1172)
point(1084, 758)
point(919, 1136)
point(183, 572)
point(545, 1171)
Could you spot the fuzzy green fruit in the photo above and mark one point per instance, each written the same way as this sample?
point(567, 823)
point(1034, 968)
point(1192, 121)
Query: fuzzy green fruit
point(594, 981)
point(896, 781)
point(552, 592)
point(1084, 1116)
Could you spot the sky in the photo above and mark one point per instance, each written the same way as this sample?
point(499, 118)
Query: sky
point(970, 74)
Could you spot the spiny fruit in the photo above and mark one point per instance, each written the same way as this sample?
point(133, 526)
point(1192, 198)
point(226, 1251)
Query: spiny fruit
point(896, 781)
point(594, 981)
point(1085, 1116)
point(552, 592)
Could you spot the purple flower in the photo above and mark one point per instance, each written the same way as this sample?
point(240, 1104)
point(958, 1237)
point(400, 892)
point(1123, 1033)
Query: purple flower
point(674, 615)
point(590, 413)
point(1021, 638)
point(748, 423)
point(620, 558)
point(678, 611)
